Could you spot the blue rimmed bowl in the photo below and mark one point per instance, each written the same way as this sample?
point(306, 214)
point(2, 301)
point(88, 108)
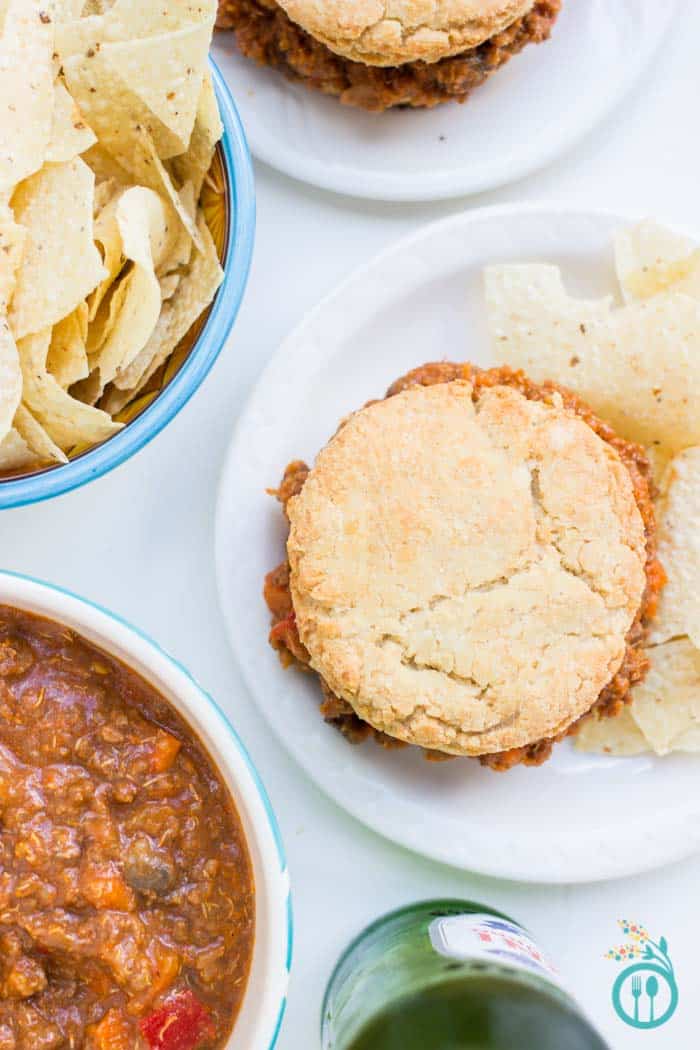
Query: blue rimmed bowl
point(263, 1007)
point(236, 164)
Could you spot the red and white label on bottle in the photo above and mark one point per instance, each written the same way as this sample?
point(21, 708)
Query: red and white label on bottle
point(488, 938)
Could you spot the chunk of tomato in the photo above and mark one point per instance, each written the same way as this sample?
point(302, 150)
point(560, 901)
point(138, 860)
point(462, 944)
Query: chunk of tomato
point(182, 1022)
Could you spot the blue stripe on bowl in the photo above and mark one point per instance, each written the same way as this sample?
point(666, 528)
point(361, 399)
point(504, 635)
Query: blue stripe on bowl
point(241, 237)
point(278, 1026)
point(290, 931)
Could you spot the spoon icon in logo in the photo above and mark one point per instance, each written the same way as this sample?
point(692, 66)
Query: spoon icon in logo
point(652, 989)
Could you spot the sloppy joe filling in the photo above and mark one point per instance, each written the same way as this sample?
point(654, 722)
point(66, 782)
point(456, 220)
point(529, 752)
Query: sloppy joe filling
point(266, 34)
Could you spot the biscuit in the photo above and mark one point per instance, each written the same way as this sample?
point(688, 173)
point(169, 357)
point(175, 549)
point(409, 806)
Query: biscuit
point(464, 574)
point(392, 32)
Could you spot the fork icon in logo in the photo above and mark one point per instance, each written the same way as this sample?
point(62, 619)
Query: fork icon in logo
point(636, 993)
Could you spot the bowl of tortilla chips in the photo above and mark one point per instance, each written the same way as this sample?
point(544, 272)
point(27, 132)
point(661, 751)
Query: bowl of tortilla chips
point(127, 217)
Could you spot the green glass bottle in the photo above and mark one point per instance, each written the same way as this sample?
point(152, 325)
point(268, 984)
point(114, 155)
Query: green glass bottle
point(450, 975)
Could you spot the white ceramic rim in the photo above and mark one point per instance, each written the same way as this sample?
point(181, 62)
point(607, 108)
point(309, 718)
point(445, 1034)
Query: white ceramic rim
point(260, 1019)
point(680, 837)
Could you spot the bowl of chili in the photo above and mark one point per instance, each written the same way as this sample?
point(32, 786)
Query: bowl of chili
point(144, 893)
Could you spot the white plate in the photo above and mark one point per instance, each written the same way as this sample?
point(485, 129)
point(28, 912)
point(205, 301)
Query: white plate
point(576, 818)
point(540, 104)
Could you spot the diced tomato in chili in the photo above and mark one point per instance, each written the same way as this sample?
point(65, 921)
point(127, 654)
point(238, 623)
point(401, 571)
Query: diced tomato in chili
point(181, 1023)
point(284, 636)
point(279, 633)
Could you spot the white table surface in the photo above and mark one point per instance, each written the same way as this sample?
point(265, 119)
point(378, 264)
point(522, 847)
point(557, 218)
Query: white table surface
point(140, 541)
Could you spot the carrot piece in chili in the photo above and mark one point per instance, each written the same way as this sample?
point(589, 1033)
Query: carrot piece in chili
point(165, 750)
point(165, 973)
point(113, 1032)
point(104, 887)
point(181, 1023)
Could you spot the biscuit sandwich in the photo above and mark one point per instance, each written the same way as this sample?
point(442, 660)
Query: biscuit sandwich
point(471, 567)
point(376, 54)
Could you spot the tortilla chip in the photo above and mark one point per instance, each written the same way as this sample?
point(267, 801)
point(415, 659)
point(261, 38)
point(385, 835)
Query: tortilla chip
point(96, 7)
point(679, 550)
point(64, 10)
point(650, 259)
point(136, 305)
point(106, 234)
point(90, 389)
point(55, 206)
point(10, 377)
point(70, 135)
point(67, 421)
point(169, 285)
point(147, 229)
point(176, 361)
point(130, 20)
point(106, 168)
point(137, 51)
point(11, 251)
point(112, 110)
point(666, 705)
point(180, 253)
point(192, 166)
point(36, 438)
point(105, 191)
point(26, 90)
point(165, 72)
point(638, 367)
point(15, 453)
point(12, 245)
point(148, 225)
point(619, 736)
point(136, 407)
point(152, 172)
point(659, 460)
point(105, 319)
point(146, 169)
point(67, 359)
point(81, 315)
point(197, 290)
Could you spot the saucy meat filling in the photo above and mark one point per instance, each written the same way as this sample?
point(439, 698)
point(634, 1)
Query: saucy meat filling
point(266, 34)
point(285, 638)
point(127, 905)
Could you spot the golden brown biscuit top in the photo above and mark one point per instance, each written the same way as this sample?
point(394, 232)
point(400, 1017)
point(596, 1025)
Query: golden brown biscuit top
point(391, 32)
point(464, 574)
